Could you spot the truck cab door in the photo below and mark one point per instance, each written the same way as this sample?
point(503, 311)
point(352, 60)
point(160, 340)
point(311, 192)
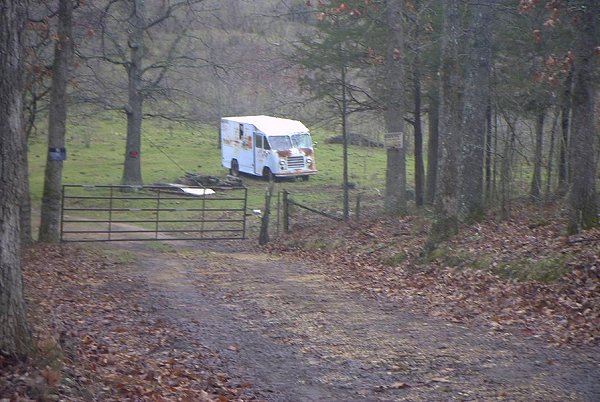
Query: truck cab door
point(260, 154)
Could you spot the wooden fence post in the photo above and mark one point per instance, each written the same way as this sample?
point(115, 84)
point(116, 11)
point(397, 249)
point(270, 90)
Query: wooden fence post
point(286, 212)
point(263, 238)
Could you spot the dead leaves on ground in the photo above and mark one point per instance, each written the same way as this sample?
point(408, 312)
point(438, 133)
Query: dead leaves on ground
point(464, 281)
point(99, 337)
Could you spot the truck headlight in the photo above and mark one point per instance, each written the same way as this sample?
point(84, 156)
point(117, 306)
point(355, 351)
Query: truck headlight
point(308, 161)
point(282, 163)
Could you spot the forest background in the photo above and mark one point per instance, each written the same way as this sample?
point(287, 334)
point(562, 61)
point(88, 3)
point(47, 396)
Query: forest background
point(492, 100)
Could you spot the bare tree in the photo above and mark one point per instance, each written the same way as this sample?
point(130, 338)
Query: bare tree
point(474, 114)
point(536, 179)
point(565, 123)
point(395, 176)
point(447, 192)
point(57, 118)
point(582, 198)
point(36, 90)
point(433, 141)
point(15, 337)
point(416, 76)
point(125, 28)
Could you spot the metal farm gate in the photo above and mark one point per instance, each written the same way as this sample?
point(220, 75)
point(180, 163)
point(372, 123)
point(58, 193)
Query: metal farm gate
point(164, 212)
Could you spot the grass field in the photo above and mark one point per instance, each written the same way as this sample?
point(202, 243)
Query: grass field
point(95, 152)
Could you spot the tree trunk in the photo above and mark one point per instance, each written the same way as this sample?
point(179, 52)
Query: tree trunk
point(433, 142)
point(346, 189)
point(447, 196)
point(565, 121)
point(474, 122)
point(489, 152)
point(536, 180)
point(582, 199)
point(418, 152)
point(25, 204)
point(395, 176)
point(15, 337)
point(132, 168)
point(57, 119)
point(506, 170)
point(550, 167)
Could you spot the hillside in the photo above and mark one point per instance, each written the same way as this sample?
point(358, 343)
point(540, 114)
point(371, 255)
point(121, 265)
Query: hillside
point(165, 321)
point(521, 274)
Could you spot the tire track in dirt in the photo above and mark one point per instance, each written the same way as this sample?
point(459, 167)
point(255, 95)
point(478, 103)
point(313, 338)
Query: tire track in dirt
point(293, 333)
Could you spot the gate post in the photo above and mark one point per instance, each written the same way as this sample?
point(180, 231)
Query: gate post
point(286, 212)
point(263, 238)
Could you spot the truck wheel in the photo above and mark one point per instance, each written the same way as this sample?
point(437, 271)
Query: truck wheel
point(305, 177)
point(235, 168)
point(268, 175)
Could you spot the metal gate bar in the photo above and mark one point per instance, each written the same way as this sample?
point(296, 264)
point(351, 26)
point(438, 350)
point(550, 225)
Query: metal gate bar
point(154, 212)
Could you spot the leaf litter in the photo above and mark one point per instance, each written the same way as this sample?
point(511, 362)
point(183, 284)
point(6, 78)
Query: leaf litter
point(98, 336)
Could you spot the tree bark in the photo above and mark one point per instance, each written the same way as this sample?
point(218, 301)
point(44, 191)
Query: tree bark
point(536, 180)
point(57, 120)
point(418, 151)
point(582, 199)
point(565, 121)
point(446, 209)
point(395, 176)
point(433, 142)
point(506, 169)
point(474, 122)
point(25, 204)
point(132, 167)
point(15, 337)
point(550, 167)
point(489, 152)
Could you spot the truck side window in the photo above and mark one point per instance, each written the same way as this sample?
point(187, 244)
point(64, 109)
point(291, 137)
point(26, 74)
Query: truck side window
point(266, 144)
point(259, 141)
point(241, 131)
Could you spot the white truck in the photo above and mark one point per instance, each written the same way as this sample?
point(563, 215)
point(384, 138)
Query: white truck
point(267, 146)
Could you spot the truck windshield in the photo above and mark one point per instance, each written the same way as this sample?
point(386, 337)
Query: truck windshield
point(301, 140)
point(280, 142)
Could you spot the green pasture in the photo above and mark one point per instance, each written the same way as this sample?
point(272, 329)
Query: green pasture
point(95, 152)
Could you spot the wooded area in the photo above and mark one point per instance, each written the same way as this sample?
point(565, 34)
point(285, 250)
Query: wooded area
point(357, 66)
point(496, 99)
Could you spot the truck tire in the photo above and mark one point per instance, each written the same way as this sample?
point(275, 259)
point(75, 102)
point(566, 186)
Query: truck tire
point(235, 168)
point(268, 175)
point(305, 177)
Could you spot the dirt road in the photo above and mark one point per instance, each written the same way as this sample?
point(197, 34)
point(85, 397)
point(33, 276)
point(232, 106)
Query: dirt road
point(286, 331)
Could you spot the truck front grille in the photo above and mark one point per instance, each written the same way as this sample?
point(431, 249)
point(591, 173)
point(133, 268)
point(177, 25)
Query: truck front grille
point(295, 162)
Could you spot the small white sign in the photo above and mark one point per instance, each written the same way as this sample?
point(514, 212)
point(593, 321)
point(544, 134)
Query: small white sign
point(394, 140)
